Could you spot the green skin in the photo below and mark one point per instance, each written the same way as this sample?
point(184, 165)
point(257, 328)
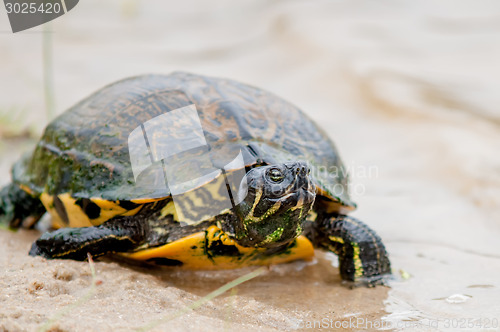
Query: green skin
point(273, 213)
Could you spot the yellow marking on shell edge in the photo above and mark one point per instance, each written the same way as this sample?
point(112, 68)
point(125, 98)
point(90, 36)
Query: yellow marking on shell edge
point(336, 239)
point(334, 205)
point(48, 202)
point(26, 189)
point(109, 209)
point(146, 200)
point(358, 265)
point(77, 217)
point(132, 212)
point(105, 204)
point(194, 253)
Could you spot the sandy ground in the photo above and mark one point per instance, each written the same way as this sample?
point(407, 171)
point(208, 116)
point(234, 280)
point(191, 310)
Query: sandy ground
point(407, 90)
point(285, 297)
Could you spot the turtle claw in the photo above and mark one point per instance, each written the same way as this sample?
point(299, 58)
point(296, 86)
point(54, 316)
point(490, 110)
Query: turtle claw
point(38, 251)
point(369, 282)
point(51, 244)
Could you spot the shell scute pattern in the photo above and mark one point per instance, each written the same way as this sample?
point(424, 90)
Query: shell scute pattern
point(84, 152)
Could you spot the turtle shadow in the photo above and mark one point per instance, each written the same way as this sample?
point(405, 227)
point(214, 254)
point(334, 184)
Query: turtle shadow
point(294, 292)
point(277, 285)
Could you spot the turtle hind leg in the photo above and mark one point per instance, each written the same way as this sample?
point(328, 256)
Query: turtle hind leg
point(119, 234)
point(18, 208)
point(363, 260)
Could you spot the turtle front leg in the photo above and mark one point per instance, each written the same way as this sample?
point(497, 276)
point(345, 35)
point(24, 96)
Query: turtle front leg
point(363, 259)
point(18, 208)
point(119, 234)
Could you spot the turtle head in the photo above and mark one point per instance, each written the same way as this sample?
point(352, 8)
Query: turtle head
point(274, 202)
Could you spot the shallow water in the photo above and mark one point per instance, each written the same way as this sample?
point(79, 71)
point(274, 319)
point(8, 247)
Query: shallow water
point(406, 88)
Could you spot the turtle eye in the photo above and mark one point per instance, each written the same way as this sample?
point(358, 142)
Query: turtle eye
point(275, 175)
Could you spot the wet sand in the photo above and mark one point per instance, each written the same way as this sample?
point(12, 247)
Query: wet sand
point(406, 90)
point(285, 297)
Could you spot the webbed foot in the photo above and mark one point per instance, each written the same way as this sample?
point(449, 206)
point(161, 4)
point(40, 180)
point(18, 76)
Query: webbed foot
point(363, 260)
point(119, 234)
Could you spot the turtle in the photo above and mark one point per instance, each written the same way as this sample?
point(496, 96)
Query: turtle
point(117, 177)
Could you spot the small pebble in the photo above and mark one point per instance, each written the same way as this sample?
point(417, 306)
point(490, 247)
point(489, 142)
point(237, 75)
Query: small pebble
point(456, 298)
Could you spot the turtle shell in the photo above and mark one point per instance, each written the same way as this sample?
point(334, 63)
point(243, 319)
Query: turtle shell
point(85, 151)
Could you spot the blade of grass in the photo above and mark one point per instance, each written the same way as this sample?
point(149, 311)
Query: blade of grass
point(203, 300)
point(78, 303)
point(229, 308)
point(48, 75)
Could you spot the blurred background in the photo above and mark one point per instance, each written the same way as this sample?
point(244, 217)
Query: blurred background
point(409, 89)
